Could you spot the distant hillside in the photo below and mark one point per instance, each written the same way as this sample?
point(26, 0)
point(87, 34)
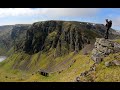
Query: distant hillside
point(6, 36)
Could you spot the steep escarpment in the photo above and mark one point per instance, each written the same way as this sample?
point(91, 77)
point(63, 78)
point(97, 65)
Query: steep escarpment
point(62, 35)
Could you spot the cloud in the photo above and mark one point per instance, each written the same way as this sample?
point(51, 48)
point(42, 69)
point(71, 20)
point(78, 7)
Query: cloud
point(7, 12)
point(70, 12)
point(49, 12)
point(116, 21)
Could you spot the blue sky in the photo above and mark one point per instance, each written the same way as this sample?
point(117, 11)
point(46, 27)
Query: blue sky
point(13, 16)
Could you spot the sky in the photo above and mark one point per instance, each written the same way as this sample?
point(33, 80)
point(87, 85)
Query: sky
point(11, 16)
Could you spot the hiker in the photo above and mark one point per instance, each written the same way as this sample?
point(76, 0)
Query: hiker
point(108, 26)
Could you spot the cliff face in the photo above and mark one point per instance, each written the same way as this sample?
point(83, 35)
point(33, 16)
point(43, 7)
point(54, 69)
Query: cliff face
point(54, 34)
point(65, 36)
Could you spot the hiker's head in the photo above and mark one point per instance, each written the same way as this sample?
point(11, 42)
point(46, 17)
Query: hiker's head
point(107, 20)
point(110, 21)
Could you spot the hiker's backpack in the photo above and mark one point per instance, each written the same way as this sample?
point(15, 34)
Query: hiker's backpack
point(110, 23)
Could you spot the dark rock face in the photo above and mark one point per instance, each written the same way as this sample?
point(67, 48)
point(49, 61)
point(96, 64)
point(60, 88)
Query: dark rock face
point(19, 31)
point(104, 47)
point(18, 35)
point(65, 36)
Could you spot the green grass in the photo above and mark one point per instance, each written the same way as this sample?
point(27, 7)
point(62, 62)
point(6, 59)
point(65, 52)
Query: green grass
point(117, 40)
point(106, 74)
point(47, 61)
point(68, 74)
point(83, 63)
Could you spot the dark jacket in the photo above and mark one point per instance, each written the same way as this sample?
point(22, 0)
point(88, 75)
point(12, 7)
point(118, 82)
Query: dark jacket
point(108, 24)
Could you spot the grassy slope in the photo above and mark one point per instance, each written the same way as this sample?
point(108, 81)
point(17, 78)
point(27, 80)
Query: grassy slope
point(68, 74)
point(110, 74)
point(106, 74)
point(83, 63)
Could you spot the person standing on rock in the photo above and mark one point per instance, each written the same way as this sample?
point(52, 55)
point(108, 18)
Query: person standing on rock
point(108, 26)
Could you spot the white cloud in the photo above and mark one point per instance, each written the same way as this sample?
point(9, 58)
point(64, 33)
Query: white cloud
point(49, 12)
point(74, 12)
point(7, 12)
point(116, 21)
point(15, 22)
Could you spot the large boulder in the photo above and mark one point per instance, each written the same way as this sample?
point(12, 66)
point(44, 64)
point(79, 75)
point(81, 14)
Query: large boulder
point(116, 62)
point(109, 63)
point(116, 47)
point(112, 63)
point(97, 59)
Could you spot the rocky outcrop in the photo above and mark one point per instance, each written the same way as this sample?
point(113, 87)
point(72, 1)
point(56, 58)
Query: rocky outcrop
point(112, 63)
point(86, 73)
point(104, 47)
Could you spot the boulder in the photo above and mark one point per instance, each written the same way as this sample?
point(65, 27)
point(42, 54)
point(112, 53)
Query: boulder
point(116, 62)
point(96, 59)
point(109, 63)
point(116, 47)
point(78, 79)
point(84, 73)
point(92, 68)
point(97, 56)
point(112, 63)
